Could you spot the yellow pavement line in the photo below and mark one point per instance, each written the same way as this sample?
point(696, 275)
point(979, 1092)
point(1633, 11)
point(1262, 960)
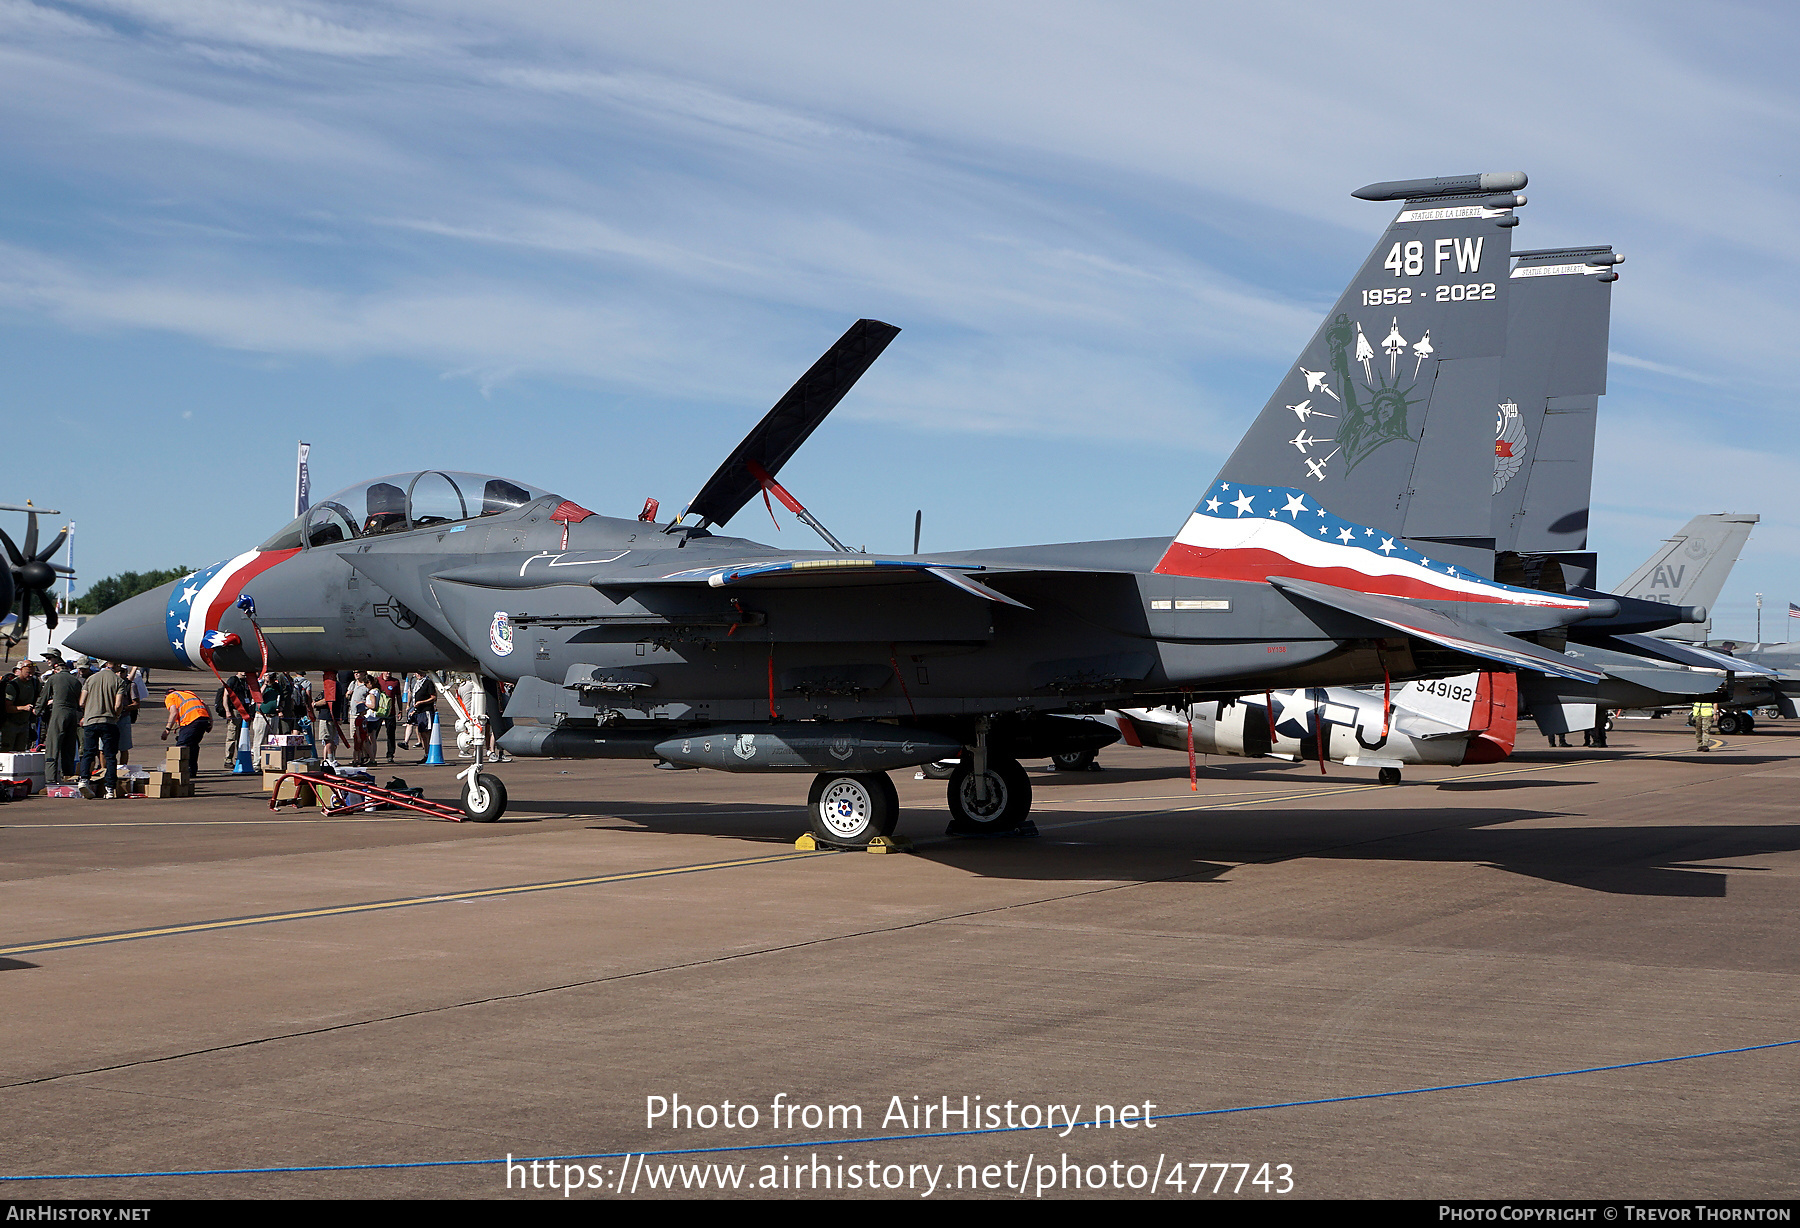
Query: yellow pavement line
point(379, 905)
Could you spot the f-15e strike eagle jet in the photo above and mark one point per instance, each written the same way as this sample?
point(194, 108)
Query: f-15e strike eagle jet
point(1347, 540)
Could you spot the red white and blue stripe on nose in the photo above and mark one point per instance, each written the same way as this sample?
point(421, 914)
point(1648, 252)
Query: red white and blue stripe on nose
point(197, 603)
point(1242, 532)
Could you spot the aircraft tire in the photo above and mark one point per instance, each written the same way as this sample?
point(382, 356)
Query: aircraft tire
point(484, 799)
point(1074, 760)
point(1008, 802)
point(1388, 776)
point(1729, 724)
point(852, 807)
point(939, 769)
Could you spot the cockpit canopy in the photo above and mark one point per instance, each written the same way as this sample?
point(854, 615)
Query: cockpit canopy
point(403, 501)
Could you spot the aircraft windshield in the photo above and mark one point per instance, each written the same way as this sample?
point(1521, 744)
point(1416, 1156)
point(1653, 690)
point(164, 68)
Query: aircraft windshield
point(403, 501)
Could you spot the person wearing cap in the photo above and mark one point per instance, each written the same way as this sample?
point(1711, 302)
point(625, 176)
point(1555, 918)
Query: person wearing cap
point(59, 707)
point(103, 698)
point(18, 699)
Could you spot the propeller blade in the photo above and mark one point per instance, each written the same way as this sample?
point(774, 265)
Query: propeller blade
point(30, 534)
point(12, 553)
point(60, 570)
point(49, 608)
point(6, 589)
point(50, 551)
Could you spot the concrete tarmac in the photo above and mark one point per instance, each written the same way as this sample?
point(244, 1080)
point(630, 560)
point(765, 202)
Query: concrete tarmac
point(197, 984)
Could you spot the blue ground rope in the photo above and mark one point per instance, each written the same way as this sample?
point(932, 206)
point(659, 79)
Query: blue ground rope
point(888, 1138)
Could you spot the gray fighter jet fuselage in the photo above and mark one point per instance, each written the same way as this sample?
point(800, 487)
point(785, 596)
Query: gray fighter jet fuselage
point(1356, 551)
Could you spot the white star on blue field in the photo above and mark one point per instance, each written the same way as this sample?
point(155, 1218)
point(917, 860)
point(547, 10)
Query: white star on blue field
point(1326, 525)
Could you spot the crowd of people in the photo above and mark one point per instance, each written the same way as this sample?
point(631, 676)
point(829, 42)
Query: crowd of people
point(349, 710)
point(81, 713)
point(78, 712)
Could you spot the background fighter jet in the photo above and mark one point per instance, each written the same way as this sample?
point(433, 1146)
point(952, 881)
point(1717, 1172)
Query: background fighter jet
point(1648, 666)
point(1368, 560)
point(1690, 569)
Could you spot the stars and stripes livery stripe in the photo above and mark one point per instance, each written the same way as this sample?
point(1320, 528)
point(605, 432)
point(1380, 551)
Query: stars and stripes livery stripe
point(1243, 532)
point(197, 603)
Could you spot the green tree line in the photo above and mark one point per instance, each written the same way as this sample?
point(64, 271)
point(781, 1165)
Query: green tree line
point(104, 594)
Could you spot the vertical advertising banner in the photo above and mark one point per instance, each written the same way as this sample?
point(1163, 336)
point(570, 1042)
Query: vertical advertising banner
point(302, 481)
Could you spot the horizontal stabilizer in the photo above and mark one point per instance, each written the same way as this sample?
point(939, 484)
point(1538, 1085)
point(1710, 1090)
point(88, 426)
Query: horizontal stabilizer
point(1424, 729)
point(1661, 676)
point(1428, 624)
point(1693, 655)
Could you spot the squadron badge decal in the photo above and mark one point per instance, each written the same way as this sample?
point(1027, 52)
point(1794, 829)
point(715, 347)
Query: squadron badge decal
point(1509, 445)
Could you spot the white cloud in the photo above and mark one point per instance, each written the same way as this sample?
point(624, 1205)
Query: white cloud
point(24, 20)
point(273, 27)
point(1149, 188)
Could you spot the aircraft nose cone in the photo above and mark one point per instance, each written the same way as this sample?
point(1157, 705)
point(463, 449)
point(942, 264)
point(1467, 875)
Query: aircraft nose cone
point(135, 631)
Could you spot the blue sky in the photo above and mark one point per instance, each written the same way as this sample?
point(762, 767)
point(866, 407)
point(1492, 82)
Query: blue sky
point(587, 245)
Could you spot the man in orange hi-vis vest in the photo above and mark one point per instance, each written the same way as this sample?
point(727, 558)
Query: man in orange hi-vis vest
point(190, 721)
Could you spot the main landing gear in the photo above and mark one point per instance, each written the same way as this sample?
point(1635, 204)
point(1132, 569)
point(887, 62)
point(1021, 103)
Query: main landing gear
point(990, 803)
point(852, 807)
point(1732, 723)
point(990, 795)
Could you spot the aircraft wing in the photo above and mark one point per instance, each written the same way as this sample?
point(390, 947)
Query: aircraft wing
point(1428, 624)
point(794, 417)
